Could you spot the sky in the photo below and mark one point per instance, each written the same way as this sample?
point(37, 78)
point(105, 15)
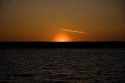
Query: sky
point(62, 20)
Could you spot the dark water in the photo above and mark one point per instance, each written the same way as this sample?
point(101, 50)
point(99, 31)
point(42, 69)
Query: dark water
point(62, 65)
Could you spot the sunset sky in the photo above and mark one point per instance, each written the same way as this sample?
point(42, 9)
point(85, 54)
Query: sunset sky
point(62, 20)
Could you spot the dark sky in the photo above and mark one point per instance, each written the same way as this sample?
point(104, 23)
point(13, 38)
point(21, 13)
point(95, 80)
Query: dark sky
point(80, 20)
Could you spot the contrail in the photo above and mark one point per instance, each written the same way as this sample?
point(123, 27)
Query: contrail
point(73, 31)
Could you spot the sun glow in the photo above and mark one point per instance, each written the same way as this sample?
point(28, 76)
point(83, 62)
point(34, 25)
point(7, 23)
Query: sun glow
point(62, 38)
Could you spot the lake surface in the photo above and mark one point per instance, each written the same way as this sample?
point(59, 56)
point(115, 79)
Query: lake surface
point(35, 65)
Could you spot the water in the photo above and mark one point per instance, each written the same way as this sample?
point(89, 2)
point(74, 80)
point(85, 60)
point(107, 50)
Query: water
point(62, 65)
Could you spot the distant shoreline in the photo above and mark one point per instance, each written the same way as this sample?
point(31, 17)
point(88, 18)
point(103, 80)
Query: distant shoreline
point(111, 44)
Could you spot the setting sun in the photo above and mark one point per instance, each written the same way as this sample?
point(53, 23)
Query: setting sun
point(62, 38)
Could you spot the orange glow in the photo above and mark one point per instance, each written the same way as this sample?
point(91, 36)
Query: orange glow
point(62, 38)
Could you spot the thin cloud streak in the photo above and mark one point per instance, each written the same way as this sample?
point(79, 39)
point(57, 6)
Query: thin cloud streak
point(73, 31)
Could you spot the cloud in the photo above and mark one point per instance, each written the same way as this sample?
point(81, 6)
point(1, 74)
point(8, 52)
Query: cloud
point(73, 31)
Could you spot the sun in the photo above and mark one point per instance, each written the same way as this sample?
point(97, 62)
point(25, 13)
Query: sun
point(62, 38)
